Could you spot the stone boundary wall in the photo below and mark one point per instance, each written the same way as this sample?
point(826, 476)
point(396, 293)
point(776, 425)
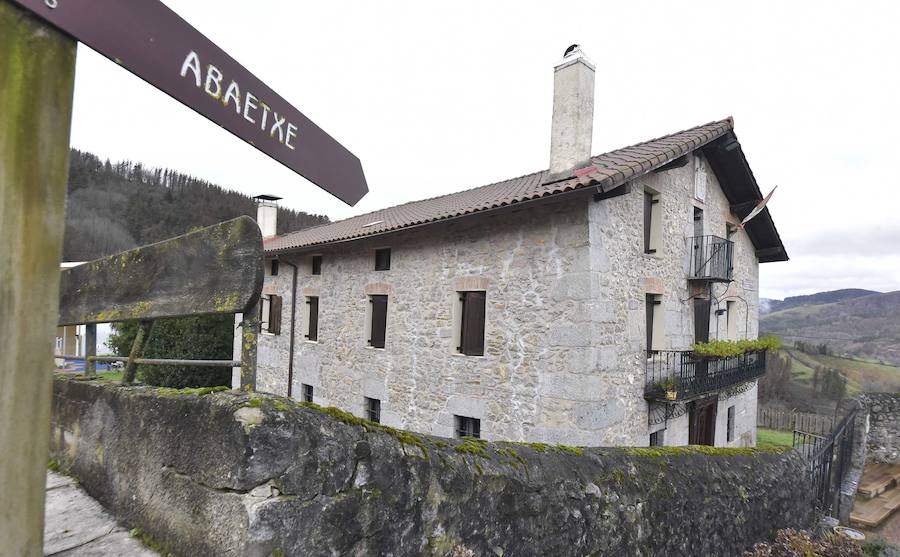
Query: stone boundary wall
point(236, 474)
point(883, 443)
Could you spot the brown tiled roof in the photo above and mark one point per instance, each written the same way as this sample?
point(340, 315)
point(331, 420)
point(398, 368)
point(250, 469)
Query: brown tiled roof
point(607, 171)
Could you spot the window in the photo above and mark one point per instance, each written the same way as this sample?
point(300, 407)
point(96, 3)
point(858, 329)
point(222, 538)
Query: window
point(270, 314)
point(383, 259)
point(468, 427)
point(378, 326)
point(730, 231)
point(651, 222)
point(312, 327)
point(317, 264)
point(274, 268)
point(657, 438)
point(307, 392)
point(730, 431)
point(653, 305)
point(471, 334)
point(373, 410)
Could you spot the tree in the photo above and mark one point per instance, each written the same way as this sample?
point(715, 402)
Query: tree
point(208, 337)
point(774, 383)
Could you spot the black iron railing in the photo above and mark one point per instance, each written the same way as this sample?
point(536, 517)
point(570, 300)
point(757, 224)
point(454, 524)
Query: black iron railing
point(679, 375)
point(711, 258)
point(828, 460)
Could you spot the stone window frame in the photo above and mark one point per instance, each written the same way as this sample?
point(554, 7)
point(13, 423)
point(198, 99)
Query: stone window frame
point(372, 409)
point(307, 392)
point(313, 259)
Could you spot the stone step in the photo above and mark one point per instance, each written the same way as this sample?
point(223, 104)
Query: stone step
point(870, 513)
point(878, 478)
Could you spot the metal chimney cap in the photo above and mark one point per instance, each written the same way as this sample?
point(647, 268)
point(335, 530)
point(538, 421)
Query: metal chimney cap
point(266, 197)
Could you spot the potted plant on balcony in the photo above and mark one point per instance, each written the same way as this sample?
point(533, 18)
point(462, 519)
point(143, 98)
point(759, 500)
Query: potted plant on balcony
point(669, 387)
point(719, 349)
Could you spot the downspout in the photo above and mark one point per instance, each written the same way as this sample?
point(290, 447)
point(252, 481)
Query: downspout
point(293, 326)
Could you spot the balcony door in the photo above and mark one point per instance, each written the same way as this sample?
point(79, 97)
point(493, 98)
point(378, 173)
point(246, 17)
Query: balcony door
point(701, 334)
point(702, 421)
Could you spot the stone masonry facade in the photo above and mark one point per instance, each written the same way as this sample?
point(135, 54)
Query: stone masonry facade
point(565, 333)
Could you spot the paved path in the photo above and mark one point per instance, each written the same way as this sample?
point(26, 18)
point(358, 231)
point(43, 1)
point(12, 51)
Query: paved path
point(77, 526)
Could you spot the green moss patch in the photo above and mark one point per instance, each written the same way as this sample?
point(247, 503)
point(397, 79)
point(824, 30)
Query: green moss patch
point(470, 445)
point(660, 452)
point(196, 391)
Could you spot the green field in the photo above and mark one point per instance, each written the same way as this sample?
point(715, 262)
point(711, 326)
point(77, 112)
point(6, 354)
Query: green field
point(862, 375)
point(770, 439)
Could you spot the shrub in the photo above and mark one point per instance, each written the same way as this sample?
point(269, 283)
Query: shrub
point(208, 337)
point(729, 348)
point(791, 543)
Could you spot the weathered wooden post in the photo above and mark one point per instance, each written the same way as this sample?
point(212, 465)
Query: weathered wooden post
point(37, 70)
point(90, 349)
point(137, 350)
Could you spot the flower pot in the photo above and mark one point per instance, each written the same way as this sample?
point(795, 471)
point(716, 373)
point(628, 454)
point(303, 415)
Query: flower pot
point(671, 395)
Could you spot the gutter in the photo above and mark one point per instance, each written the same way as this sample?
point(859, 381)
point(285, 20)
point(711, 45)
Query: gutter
point(293, 326)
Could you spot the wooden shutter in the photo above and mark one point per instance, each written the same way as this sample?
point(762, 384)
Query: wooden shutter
point(379, 320)
point(275, 315)
point(313, 333)
point(317, 264)
point(648, 218)
point(472, 333)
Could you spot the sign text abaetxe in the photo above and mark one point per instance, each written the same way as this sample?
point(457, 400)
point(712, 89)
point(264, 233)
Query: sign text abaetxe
point(153, 42)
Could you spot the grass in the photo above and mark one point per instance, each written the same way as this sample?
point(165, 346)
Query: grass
point(771, 439)
point(110, 375)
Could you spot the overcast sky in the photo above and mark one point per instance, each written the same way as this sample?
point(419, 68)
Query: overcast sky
point(439, 97)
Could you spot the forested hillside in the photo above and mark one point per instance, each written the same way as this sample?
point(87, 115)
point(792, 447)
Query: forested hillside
point(767, 305)
point(866, 327)
point(112, 207)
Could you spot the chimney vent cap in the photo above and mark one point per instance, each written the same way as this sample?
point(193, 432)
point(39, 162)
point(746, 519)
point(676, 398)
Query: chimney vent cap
point(266, 197)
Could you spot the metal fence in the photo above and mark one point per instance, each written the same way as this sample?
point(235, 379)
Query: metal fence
point(828, 460)
point(791, 420)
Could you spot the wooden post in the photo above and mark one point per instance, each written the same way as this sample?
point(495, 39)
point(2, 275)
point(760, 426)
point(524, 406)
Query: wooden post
point(137, 350)
point(90, 349)
point(249, 337)
point(37, 71)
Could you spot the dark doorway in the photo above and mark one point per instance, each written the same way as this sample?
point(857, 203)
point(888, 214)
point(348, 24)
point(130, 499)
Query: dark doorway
point(702, 422)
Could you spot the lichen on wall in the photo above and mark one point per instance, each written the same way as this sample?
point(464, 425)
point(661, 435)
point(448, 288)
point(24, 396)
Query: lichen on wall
point(231, 473)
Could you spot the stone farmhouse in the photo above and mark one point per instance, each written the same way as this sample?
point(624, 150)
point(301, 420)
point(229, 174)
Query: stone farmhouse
point(555, 307)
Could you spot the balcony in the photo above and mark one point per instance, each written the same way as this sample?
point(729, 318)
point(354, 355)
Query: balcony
point(711, 259)
point(682, 375)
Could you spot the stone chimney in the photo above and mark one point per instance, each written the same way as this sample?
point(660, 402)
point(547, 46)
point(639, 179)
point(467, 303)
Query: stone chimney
point(573, 112)
point(267, 214)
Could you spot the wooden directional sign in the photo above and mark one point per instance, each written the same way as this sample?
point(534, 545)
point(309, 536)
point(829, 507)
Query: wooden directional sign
point(212, 270)
point(153, 42)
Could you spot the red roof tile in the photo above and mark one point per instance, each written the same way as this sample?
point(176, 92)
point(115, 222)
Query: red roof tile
point(607, 171)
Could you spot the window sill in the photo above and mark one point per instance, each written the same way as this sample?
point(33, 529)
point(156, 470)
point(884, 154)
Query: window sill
point(375, 348)
point(654, 256)
point(461, 355)
point(307, 341)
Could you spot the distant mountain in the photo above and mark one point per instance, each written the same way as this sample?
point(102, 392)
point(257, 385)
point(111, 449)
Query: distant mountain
point(767, 305)
point(111, 207)
point(866, 325)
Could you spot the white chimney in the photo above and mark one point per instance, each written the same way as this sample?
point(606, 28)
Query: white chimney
point(573, 112)
point(267, 214)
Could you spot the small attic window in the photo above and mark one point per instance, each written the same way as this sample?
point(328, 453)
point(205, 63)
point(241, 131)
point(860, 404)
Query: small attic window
point(373, 223)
